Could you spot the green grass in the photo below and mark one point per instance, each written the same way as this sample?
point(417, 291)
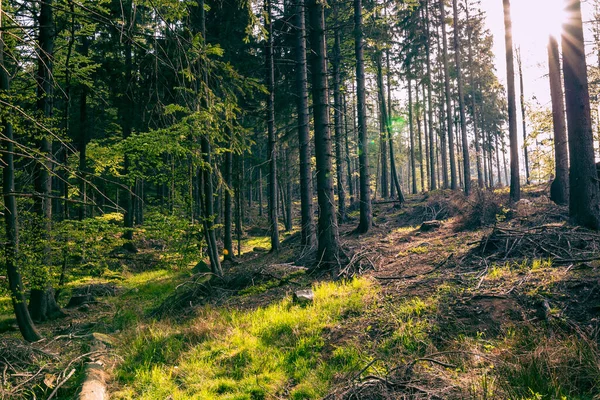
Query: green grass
point(275, 351)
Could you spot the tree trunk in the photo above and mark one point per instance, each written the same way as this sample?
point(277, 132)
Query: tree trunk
point(11, 247)
point(272, 139)
point(306, 199)
point(419, 136)
point(228, 177)
point(328, 256)
point(348, 162)
point(522, 98)
point(338, 121)
point(206, 171)
point(412, 138)
point(382, 126)
point(365, 190)
point(515, 184)
point(432, 157)
point(83, 139)
point(480, 180)
point(461, 104)
point(559, 191)
point(453, 178)
point(583, 178)
point(42, 305)
point(387, 129)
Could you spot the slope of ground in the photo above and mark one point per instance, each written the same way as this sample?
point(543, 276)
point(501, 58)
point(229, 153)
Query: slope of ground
point(496, 303)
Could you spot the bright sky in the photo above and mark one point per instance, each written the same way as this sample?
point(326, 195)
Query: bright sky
point(532, 22)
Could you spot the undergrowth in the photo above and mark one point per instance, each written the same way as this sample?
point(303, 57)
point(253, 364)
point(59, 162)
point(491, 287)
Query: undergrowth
point(231, 354)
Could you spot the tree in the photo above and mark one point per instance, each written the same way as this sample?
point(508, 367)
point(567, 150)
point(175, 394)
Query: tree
point(523, 114)
point(515, 184)
point(42, 305)
point(583, 178)
point(559, 191)
point(328, 255)
point(364, 189)
point(338, 121)
point(306, 202)
point(272, 140)
point(449, 117)
point(461, 102)
point(11, 247)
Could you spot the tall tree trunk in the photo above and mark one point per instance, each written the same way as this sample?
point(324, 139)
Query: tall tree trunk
point(365, 190)
point(206, 171)
point(412, 138)
point(42, 305)
point(228, 177)
point(583, 178)
point(306, 202)
point(426, 135)
point(453, 178)
point(11, 247)
point(338, 121)
point(260, 192)
point(461, 103)
point(515, 184)
point(127, 111)
point(348, 162)
point(419, 135)
point(272, 140)
point(480, 180)
point(432, 157)
point(328, 256)
point(559, 191)
point(523, 116)
point(83, 138)
point(387, 129)
point(288, 192)
point(390, 115)
point(382, 125)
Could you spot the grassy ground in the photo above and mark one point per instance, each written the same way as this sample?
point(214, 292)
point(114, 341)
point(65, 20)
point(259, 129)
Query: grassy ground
point(482, 308)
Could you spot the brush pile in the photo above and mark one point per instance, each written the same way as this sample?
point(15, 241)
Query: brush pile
point(563, 244)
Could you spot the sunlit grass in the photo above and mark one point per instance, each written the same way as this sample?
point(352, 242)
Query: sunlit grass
point(230, 354)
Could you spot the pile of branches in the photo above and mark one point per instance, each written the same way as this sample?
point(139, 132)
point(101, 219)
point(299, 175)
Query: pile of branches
point(563, 244)
point(399, 382)
point(21, 367)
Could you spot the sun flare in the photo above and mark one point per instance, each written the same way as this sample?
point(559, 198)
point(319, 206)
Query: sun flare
point(534, 20)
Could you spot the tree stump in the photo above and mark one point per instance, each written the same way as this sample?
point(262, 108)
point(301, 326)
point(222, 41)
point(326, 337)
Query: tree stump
point(429, 226)
point(303, 296)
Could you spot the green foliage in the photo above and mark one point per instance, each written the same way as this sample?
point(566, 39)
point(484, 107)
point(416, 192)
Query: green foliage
point(247, 355)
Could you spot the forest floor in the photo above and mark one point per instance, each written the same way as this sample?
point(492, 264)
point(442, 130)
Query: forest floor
point(495, 303)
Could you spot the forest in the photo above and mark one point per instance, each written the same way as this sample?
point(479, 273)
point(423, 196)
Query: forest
point(300, 199)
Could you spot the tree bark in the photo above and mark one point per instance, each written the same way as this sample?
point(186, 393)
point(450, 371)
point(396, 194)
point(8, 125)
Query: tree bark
point(227, 238)
point(412, 138)
point(461, 103)
point(365, 190)
point(523, 116)
point(328, 256)
point(559, 190)
point(306, 199)
point(583, 178)
point(206, 171)
point(11, 247)
point(453, 178)
point(272, 139)
point(42, 305)
point(515, 184)
point(432, 157)
point(338, 121)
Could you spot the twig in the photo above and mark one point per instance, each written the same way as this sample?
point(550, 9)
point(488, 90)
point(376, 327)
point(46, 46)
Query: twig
point(61, 383)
